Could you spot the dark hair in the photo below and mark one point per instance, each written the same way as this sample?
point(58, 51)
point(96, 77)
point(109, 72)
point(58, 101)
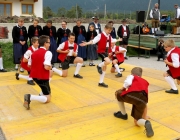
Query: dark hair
point(111, 22)
point(34, 39)
point(64, 21)
point(78, 20)
point(71, 34)
point(49, 21)
point(43, 39)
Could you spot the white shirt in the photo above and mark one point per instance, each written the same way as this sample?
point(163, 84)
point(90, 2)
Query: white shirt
point(128, 81)
point(151, 16)
point(178, 13)
point(47, 58)
point(96, 27)
point(175, 58)
point(28, 53)
point(61, 46)
point(125, 33)
point(120, 49)
point(98, 37)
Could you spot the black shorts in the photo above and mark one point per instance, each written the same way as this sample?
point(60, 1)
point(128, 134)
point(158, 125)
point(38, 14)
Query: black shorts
point(103, 55)
point(169, 72)
point(44, 85)
point(117, 60)
point(67, 61)
point(124, 41)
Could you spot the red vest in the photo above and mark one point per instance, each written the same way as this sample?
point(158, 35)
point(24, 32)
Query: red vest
point(24, 65)
point(102, 43)
point(119, 56)
point(37, 66)
point(174, 71)
point(138, 84)
point(62, 56)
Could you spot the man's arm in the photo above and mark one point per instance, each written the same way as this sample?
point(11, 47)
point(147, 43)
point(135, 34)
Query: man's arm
point(47, 61)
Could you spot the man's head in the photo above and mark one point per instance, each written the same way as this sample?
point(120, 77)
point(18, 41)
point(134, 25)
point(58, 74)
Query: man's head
point(137, 71)
point(95, 19)
point(113, 42)
point(20, 22)
point(35, 42)
point(49, 23)
point(108, 28)
point(44, 41)
point(71, 38)
point(78, 23)
point(156, 5)
point(175, 6)
point(124, 21)
point(168, 45)
point(35, 22)
point(64, 24)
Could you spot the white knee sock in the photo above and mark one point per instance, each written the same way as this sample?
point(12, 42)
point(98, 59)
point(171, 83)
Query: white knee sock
point(30, 78)
point(21, 69)
point(78, 67)
point(124, 54)
point(101, 64)
point(141, 122)
point(16, 66)
point(50, 79)
point(57, 71)
point(152, 29)
point(23, 77)
point(41, 93)
point(102, 77)
point(171, 82)
point(1, 63)
point(122, 107)
point(42, 99)
point(117, 68)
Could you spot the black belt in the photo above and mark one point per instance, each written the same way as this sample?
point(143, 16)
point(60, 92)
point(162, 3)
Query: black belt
point(71, 48)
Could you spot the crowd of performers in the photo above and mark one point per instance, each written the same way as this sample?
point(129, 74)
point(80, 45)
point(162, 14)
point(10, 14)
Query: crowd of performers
point(74, 47)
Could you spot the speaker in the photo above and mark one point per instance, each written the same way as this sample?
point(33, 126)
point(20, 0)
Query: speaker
point(140, 16)
point(159, 33)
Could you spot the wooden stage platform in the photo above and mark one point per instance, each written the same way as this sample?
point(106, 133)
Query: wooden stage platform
point(80, 110)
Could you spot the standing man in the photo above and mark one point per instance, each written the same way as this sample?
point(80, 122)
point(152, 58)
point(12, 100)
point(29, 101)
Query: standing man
point(96, 25)
point(155, 16)
point(177, 15)
point(124, 33)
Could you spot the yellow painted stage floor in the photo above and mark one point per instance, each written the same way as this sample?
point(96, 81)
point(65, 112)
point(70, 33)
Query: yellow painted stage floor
point(80, 110)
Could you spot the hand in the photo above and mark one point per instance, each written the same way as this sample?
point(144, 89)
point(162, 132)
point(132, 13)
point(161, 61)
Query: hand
point(67, 51)
point(110, 54)
point(117, 52)
point(119, 39)
point(83, 44)
point(74, 54)
point(166, 61)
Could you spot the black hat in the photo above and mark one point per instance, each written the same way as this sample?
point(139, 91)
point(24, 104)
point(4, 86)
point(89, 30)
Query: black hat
point(95, 17)
point(124, 20)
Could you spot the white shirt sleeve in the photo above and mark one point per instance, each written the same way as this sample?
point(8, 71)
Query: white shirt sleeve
point(47, 58)
point(96, 39)
point(122, 49)
point(159, 16)
point(61, 46)
point(27, 54)
point(175, 60)
point(128, 81)
point(29, 61)
point(178, 13)
point(151, 16)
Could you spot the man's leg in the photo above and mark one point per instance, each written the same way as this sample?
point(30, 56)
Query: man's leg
point(79, 62)
point(153, 25)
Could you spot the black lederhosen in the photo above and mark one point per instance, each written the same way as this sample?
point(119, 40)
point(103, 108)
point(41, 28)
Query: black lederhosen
point(114, 57)
point(44, 85)
point(103, 55)
point(67, 61)
point(169, 72)
point(138, 100)
point(124, 41)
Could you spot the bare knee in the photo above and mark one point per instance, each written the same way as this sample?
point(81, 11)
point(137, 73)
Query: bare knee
point(112, 70)
point(48, 98)
point(78, 60)
point(107, 61)
point(165, 75)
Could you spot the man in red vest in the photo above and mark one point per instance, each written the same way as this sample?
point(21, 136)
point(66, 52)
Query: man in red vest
point(135, 92)
point(117, 56)
point(104, 41)
point(68, 54)
point(173, 62)
point(40, 72)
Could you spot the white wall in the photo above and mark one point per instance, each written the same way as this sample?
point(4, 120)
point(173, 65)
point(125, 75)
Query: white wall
point(17, 9)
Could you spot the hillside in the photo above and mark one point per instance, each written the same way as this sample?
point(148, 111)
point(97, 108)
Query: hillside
point(111, 5)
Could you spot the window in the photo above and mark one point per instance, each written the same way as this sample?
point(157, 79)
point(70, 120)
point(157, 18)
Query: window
point(27, 9)
point(5, 9)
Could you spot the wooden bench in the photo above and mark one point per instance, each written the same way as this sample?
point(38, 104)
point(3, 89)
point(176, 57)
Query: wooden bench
point(147, 50)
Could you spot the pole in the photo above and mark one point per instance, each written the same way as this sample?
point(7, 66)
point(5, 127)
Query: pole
point(76, 12)
point(148, 10)
point(139, 41)
point(159, 3)
point(105, 11)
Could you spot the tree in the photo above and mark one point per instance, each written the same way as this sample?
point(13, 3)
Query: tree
point(75, 12)
point(61, 12)
point(47, 12)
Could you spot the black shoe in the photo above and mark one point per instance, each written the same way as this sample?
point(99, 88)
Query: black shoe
point(158, 59)
point(102, 85)
point(21, 71)
point(122, 69)
point(78, 76)
point(120, 115)
point(30, 82)
point(3, 70)
point(99, 69)
point(172, 91)
point(17, 76)
point(93, 64)
point(118, 75)
point(60, 66)
point(27, 101)
point(83, 65)
point(90, 64)
point(149, 130)
point(126, 58)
